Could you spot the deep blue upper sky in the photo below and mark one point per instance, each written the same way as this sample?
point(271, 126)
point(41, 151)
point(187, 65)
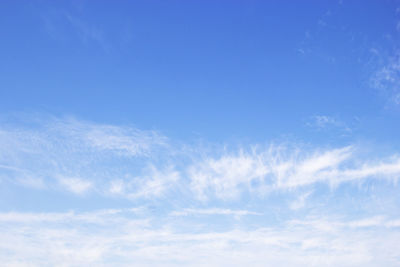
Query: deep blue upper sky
point(220, 69)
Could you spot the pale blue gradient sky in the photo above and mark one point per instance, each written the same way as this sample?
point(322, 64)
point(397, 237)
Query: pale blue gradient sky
point(200, 133)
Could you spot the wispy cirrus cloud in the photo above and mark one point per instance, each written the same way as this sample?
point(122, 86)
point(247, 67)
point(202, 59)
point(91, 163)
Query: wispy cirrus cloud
point(192, 206)
point(74, 24)
point(335, 224)
point(152, 184)
point(328, 123)
point(75, 185)
point(122, 161)
point(114, 139)
point(213, 211)
point(281, 169)
point(387, 77)
point(300, 202)
point(69, 24)
point(73, 154)
point(88, 32)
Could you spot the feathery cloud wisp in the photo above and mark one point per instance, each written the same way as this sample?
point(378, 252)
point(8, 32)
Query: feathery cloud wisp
point(127, 162)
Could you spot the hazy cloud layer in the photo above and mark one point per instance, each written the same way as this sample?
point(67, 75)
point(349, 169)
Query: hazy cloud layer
point(122, 237)
point(192, 204)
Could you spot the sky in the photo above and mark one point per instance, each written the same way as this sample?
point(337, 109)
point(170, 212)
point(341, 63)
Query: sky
point(200, 133)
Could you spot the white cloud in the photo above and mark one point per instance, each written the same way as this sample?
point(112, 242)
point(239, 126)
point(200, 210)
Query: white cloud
point(311, 168)
point(393, 223)
point(337, 224)
point(97, 216)
point(323, 122)
point(300, 202)
point(387, 78)
point(153, 183)
point(73, 153)
point(75, 185)
point(273, 169)
point(223, 176)
point(51, 239)
point(117, 187)
point(373, 221)
point(142, 166)
point(123, 140)
point(213, 211)
point(127, 162)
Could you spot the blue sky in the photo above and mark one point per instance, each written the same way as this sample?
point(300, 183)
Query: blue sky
point(200, 133)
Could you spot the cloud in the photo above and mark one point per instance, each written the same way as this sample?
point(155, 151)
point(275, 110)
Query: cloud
point(277, 169)
point(122, 161)
point(48, 153)
point(213, 211)
point(334, 224)
point(118, 238)
point(97, 216)
point(194, 205)
point(369, 222)
point(63, 24)
point(387, 77)
point(223, 175)
point(87, 32)
point(154, 183)
point(74, 24)
point(75, 185)
point(300, 202)
point(323, 122)
point(121, 140)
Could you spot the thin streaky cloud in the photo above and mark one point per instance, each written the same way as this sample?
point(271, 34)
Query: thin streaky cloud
point(131, 163)
point(300, 202)
point(75, 185)
point(387, 77)
point(274, 170)
point(213, 211)
point(328, 123)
